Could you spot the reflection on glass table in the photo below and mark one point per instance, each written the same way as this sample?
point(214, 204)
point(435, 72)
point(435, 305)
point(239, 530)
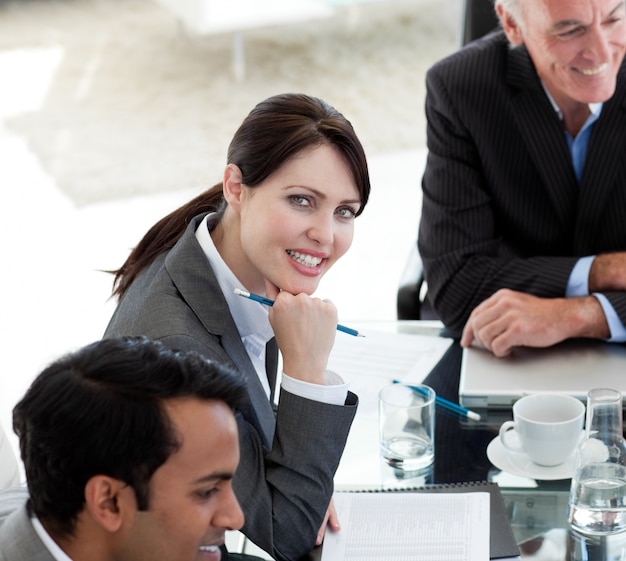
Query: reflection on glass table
point(560, 544)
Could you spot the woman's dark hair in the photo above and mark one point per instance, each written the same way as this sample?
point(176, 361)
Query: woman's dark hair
point(101, 411)
point(275, 131)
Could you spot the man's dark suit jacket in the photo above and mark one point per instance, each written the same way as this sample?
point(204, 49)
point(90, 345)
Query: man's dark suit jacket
point(501, 204)
point(284, 482)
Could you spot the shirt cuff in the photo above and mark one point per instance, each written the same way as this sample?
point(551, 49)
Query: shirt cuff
point(334, 392)
point(616, 327)
point(578, 283)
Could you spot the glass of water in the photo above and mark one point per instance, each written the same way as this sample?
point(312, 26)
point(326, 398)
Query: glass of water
point(407, 426)
point(597, 501)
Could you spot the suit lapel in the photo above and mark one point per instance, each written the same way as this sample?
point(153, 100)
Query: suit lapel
point(543, 134)
point(262, 408)
point(605, 157)
point(191, 273)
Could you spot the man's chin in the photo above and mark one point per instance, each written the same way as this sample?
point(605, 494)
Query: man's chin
point(594, 89)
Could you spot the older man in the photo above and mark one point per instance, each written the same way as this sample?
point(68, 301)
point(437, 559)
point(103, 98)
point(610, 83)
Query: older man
point(129, 451)
point(523, 228)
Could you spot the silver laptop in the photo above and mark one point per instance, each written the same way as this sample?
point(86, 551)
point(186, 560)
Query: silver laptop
point(572, 367)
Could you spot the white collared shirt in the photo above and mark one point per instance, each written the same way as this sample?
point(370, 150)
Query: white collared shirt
point(251, 319)
point(50, 544)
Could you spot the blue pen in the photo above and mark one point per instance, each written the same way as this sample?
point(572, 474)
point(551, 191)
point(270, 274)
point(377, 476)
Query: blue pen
point(459, 409)
point(270, 302)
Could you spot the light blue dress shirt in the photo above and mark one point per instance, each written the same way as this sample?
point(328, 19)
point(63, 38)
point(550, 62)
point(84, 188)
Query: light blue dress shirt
point(578, 283)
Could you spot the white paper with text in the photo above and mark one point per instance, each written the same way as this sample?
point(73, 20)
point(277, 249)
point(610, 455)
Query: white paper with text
point(369, 363)
point(404, 526)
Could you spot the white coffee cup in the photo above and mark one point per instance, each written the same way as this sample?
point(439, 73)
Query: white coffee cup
point(548, 427)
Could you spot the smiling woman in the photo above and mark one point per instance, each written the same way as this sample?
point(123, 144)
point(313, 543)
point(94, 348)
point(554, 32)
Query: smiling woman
point(294, 228)
point(284, 213)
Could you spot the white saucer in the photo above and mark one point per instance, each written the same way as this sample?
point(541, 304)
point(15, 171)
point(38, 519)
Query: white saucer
point(519, 463)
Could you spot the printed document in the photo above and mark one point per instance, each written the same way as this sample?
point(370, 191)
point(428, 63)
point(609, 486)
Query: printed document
point(405, 525)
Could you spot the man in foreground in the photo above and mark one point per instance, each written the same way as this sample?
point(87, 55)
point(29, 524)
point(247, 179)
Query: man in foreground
point(129, 452)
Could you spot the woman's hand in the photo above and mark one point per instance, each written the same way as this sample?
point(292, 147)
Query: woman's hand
point(305, 331)
point(331, 520)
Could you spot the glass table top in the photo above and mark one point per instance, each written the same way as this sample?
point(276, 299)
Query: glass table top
point(536, 502)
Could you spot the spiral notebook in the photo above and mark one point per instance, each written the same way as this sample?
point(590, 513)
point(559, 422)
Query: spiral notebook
point(372, 525)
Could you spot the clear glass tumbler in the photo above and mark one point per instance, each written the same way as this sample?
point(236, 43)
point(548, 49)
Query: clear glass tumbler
point(407, 426)
point(597, 501)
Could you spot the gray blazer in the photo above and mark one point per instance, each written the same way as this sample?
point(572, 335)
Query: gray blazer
point(18, 540)
point(501, 203)
point(288, 460)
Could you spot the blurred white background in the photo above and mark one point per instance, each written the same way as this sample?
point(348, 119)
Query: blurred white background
point(112, 113)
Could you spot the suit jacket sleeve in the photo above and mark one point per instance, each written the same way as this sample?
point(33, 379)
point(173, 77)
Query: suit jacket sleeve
point(288, 489)
point(501, 205)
